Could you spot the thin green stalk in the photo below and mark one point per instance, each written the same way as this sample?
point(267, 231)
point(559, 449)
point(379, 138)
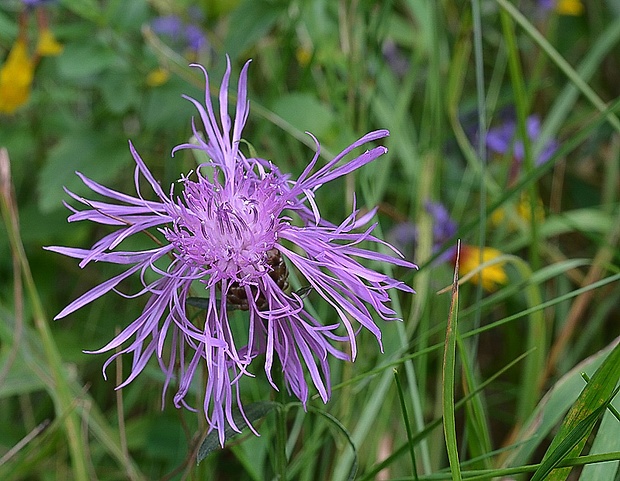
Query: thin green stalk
point(448, 378)
point(61, 395)
point(280, 458)
point(403, 407)
point(562, 64)
point(521, 105)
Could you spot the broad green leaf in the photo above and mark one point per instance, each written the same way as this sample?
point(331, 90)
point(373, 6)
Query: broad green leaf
point(94, 154)
point(251, 21)
point(304, 112)
point(88, 9)
point(581, 418)
point(119, 90)
point(84, 59)
point(552, 407)
point(606, 440)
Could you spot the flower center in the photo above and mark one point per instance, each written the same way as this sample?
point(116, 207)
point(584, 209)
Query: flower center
point(227, 230)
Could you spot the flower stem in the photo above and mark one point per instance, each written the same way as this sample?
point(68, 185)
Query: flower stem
point(280, 447)
point(280, 458)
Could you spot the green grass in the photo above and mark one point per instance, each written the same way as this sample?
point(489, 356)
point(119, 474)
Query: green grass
point(472, 384)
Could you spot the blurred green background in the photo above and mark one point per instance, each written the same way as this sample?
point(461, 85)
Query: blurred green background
point(438, 75)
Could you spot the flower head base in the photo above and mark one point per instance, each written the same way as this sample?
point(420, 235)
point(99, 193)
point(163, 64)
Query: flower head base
point(229, 232)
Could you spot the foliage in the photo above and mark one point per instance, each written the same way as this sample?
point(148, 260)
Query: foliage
point(499, 370)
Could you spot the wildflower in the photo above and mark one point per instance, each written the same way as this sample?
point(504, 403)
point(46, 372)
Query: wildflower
point(501, 140)
point(37, 3)
point(185, 37)
point(47, 45)
point(472, 258)
point(227, 235)
point(16, 77)
point(570, 7)
point(157, 77)
point(523, 210)
point(444, 228)
point(563, 7)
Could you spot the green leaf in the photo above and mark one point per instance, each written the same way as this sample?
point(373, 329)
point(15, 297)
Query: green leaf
point(94, 154)
point(581, 418)
point(305, 112)
point(84, 59)
point(250, 22)
point(119, 91)
point(253, 412)
point(88, 9)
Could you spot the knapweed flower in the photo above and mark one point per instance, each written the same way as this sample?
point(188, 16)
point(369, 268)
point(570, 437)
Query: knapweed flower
point(471, 257)
point(16, 76)
point(229, 238)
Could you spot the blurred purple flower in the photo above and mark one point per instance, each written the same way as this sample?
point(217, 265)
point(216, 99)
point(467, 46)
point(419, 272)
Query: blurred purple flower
point(501, 140)
point(227, 235)
point(183, 35)
point(169, 25)
point(546, 4)
point(396, 60)
point(37, 3)
point(405, 234)
point(195, 37)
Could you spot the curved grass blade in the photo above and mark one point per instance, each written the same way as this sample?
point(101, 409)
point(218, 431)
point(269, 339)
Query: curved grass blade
point(448, 378)
point(581, 418)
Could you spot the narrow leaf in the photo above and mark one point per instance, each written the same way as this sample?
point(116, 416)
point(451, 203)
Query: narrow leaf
point(253, 412)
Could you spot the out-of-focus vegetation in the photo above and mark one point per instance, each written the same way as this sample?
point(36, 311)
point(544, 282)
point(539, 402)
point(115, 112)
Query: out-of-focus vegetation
point(535, 200)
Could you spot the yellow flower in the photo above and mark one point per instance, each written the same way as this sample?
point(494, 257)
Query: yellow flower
point(47, 45)
point(569, 7)
point(524, 211)
point(303, 56)
point(157, 77)
point(16, 78)
point(470, 260)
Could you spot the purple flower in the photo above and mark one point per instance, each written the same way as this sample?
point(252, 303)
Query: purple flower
point(37, 3)
point(546, 4)
point(405, 234)
point(169, 25)
point(501, 140)
point(225, 238)
point(194, 37)
point(184, 36)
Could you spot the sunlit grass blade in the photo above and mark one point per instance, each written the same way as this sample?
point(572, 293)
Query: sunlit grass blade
point(449, 379)
point(407, 423)
point(580, 420)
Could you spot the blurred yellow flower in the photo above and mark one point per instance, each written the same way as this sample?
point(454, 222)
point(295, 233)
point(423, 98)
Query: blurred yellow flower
point(569, 7)
point(470, 260)
point(47, 45)
point(303, 56)
point(16, 78)
point(524, 211)
point(157, 77)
